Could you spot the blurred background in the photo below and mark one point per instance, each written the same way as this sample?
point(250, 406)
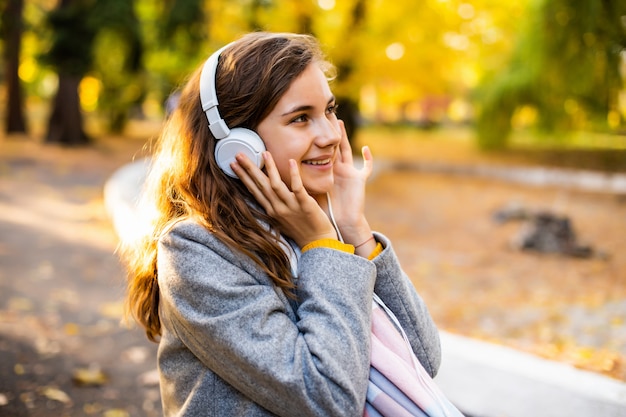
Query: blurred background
point(499, 131)
point(515, 73)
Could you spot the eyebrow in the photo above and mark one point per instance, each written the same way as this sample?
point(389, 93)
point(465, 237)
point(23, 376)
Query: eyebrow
point(305, 107)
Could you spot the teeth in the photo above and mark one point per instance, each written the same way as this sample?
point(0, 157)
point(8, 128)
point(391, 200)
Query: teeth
point(322, 162)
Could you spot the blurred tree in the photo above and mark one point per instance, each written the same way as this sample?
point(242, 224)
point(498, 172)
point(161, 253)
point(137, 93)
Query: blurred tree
point(304, 17)
point(181, 33)
point(254, 13)
point(117, 52)
point(338, 25)
point(394, 59)
point(418, 57)
point(348, 109)
point(11, 33)
point(70, 54)
point(566, 65)
point(102, 36)
point(184, 24)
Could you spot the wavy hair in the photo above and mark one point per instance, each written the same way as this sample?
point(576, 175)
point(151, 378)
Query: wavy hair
point(253, 73)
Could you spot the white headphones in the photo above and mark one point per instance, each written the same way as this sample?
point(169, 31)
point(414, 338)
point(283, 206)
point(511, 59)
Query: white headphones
point(230, 142)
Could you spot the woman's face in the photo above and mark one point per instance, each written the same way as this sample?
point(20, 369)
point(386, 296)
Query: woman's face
point(303, 126)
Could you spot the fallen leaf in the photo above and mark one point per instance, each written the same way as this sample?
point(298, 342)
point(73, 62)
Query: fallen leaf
point(116, 412)
point(53, 393)
point(91, 376)
point(71, 329)
point(18, 368)
point(92, 408)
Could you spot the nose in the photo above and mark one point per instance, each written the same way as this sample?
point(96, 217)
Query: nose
point(329, 133)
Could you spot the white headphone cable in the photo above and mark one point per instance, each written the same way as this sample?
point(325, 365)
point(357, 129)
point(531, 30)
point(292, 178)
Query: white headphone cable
point(332, 218)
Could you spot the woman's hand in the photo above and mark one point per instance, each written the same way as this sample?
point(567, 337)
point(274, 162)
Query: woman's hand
point(348, 196)
point(297, 213)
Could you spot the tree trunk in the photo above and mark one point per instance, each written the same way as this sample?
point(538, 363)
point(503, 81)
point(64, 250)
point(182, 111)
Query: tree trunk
point(348, 111)
point(349, 106)
point(12, 22)
point(66, 122)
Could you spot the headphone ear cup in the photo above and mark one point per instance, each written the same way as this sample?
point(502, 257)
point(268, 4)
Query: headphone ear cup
point(240, 140)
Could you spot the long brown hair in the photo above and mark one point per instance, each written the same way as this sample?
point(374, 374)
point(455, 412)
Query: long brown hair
point(253, 74)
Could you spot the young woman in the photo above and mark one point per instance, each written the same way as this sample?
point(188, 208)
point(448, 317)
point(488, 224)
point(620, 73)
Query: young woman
point(258, 282)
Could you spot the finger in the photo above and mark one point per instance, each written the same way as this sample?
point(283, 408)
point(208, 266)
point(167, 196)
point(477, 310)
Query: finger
point(296, 180)
point(243, 167)
point(253, 171)
point(297, 187)
point(368, 161)
point(251, 184)
point(270, 166)
point(279, 187)
point(345, 151)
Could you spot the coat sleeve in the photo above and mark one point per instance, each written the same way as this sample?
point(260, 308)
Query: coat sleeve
point(398, 293)
point(231, 318)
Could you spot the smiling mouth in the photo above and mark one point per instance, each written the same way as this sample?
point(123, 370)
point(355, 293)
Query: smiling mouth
point(318, 162)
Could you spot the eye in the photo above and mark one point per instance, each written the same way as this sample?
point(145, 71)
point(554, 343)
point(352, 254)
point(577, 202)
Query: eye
point(332, 109)
point(300, 118)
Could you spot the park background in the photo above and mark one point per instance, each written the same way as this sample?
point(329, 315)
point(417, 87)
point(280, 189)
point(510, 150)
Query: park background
point(437, 88)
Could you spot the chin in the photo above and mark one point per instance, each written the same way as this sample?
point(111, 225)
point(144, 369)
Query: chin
point(319, 187)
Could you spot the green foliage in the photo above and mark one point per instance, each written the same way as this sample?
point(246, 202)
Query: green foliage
point(122, 81)
point(182, 33)
point(75, 26)
point(184, 22)
point(101, 38)
point(566, 65)
point(72, 38)
point(119, 16)
point(118, 52)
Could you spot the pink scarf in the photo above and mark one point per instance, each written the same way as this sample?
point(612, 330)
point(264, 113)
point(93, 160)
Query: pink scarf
point(399, 385)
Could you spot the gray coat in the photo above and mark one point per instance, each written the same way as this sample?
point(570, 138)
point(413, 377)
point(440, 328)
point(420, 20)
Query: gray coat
point(234, 345)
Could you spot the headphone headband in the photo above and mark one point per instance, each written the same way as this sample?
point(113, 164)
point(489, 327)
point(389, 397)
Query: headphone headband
point(230, 142)
point(208, 96)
